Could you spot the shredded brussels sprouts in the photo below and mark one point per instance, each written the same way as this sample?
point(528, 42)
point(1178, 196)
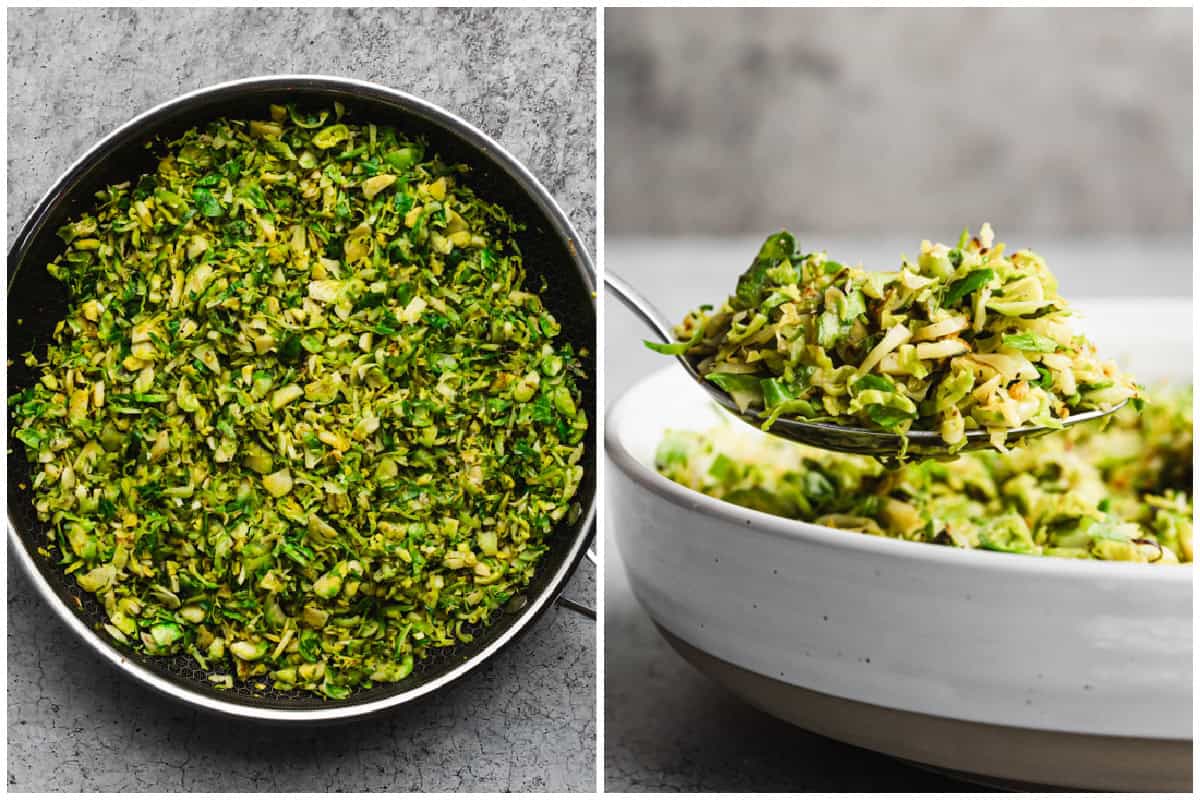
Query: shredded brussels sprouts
point(1121, 493)
point(965, 338)
point(302, 421)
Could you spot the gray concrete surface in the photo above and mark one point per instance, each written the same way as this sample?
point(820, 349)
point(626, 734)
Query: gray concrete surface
point(667, 727)
point(525, 77)
point(526, 720)
point(868, 121)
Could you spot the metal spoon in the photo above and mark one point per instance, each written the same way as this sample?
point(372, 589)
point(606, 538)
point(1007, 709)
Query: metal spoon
point(827, 436)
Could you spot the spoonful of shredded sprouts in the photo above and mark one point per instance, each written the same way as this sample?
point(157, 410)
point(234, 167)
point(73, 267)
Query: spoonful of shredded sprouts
point(966, 348)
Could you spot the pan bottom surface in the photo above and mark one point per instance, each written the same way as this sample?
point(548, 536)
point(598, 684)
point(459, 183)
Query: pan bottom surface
point(993, 755)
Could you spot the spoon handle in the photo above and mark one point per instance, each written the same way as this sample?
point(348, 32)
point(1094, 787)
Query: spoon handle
point(639, 305)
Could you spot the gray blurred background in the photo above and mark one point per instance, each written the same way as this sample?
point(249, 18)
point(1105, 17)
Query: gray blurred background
point(880, 121)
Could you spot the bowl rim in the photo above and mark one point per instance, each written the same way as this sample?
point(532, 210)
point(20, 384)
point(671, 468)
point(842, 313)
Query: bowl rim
point(751, 522)
point(582, 261)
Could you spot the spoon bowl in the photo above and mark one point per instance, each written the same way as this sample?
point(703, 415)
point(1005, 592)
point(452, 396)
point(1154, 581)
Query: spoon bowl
point(826, 435)
point(882, 444)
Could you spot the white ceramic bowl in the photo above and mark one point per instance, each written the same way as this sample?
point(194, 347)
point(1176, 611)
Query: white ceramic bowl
point(1021, 669)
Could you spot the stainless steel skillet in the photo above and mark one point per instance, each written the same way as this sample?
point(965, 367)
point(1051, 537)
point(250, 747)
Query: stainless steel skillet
point(553, 255)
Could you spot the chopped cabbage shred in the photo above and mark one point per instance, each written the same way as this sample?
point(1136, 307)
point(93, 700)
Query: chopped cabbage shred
point(305, 420)
point(1118, 492)
point(963, 338)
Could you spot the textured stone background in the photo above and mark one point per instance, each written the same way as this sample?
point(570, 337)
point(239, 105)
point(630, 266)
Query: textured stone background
point(878, 121)
point(526, 720)
point(525, 77)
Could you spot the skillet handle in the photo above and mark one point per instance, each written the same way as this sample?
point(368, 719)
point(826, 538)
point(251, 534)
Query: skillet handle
point(566, 602)
point(578, 608)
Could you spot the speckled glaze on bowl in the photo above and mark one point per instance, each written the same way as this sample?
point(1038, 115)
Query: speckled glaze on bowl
point(1020, 669)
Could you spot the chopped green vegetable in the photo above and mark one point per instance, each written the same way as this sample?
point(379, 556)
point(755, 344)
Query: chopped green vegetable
point(962, 339)
point(303, 419)
point(1031, 342)
point(776, 251)
point(675, 348)
point(207, 204)
point(962, 287)
point(1121, 491)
